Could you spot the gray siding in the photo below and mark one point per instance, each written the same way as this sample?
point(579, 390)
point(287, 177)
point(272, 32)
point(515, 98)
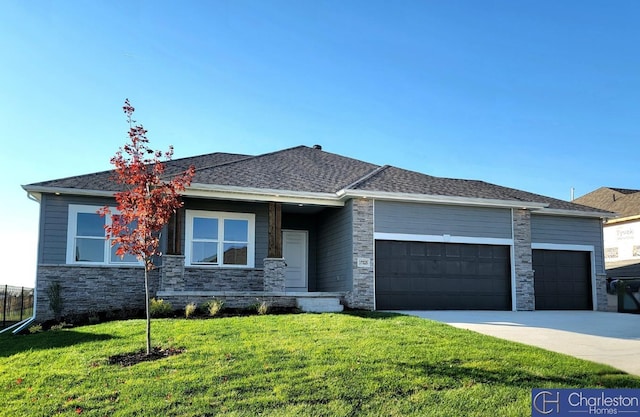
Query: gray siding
point(52, 246)
point(335, 245)
point(435, 219)
point(261, 211)
point(54, 216)
point(569, 231)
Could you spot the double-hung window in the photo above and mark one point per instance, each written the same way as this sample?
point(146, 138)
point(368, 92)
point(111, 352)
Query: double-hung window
point(86, 238)
point(220, 239)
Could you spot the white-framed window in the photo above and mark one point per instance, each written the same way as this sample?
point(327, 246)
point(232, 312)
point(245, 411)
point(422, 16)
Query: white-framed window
point(221, 239)
point(86, 238)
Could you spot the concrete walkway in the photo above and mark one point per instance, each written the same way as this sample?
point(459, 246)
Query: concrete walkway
point(609, 338)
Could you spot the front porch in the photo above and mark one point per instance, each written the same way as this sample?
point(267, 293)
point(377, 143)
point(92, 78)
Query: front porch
point(240, 287)
point(301, 258)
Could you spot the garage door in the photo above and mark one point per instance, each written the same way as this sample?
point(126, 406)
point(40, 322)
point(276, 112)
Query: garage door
point(442, 276)
point(562, 280)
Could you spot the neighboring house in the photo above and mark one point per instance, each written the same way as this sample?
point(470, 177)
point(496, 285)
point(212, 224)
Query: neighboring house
point(303, 224)
point(622, 233)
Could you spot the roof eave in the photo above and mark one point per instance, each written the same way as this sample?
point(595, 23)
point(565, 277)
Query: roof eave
point(576, 213)
point(214, 191)
point(442, 199)
point(262, 194)
point(39, 189)
point(618, 219)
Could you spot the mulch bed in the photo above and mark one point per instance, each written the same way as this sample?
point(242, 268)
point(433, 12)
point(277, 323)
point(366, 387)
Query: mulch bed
point(128, 359)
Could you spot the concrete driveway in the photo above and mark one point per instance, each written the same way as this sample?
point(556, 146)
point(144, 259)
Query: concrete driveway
point(609, 338)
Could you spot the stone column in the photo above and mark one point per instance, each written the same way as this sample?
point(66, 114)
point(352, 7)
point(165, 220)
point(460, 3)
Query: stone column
point(172, 275)
point(525, 294)
point(274, 279)
point(601, 292)
point(362, 294)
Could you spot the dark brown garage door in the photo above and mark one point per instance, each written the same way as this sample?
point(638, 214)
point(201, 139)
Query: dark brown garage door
point(442, 276)
point(562, 280)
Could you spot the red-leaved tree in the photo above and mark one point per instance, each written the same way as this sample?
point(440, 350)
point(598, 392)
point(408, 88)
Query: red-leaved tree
point(149, 199)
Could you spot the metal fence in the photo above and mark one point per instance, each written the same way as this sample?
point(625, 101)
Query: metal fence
point(16, 304)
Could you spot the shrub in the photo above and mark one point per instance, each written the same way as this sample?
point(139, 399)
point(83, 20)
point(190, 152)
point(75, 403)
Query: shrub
point(160, 308)
point(262, 308)
point(214, 307)
point(54, 294)
point(36, 328)
point(58, 326)
point(94, 318)
point(189, 309)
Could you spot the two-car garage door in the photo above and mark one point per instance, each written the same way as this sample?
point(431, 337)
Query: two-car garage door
point(453, 276)
point(435, 276)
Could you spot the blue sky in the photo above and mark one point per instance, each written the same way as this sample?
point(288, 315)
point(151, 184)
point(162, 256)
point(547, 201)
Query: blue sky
point(537, 95)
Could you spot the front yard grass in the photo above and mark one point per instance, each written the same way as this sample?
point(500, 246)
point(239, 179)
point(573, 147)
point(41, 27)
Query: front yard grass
point(358, 364)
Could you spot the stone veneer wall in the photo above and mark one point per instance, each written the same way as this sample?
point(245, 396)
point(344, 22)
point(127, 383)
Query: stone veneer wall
point(172, 275)
point(178, 277)
point(523, 264)
point(213, 279)
point(274, 274)
point(601, 293)
point(362, 295)
point(231, 300)
point(88, 289)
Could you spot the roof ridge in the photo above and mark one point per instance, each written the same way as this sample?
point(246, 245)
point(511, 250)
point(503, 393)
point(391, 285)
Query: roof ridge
point(203, 155)
point(281, 151)
point(370, 175)
point(625, 191)
point(248, 157)
point(225, 163)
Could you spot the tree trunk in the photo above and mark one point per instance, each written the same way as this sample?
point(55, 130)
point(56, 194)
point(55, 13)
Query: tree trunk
point(148, 309)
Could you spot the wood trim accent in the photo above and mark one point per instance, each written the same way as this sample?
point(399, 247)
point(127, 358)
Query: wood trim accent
point(275, 230)
point(174, 233)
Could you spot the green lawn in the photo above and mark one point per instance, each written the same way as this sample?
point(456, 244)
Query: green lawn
point(285, 365)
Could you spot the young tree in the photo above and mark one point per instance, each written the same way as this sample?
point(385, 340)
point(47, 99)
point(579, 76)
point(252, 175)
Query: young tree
point(147, 202)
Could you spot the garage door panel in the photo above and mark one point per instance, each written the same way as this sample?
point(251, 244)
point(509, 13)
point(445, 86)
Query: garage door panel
point(562, 280)
point(397, 250)
point(488, 268)
point(416, 266)
point(448, 276)
point(469, 251)
point(452, 251)
point(416, 249)
point(469, 268)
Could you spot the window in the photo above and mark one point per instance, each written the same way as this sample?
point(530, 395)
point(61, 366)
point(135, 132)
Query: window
point(86, 238)
point(219, 239)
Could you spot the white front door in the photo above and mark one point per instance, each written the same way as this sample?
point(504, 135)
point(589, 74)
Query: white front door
point(294, 250)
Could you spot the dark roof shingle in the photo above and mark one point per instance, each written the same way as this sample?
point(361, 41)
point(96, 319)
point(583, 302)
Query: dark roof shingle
point(396, 180)
point(103, 180)
point(312, 170)
point(301, 169)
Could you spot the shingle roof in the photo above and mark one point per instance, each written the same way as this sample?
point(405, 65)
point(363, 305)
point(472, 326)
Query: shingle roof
point(301, 169)
point(312, 170)
point(392, 179)
point(623, 201)
point(103, 180)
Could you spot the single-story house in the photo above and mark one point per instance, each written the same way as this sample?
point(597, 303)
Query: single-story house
point(301, 225)
point(622, 233)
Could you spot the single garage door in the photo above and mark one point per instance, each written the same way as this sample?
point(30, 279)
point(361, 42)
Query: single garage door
point(442, 276)
point(562, 280)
